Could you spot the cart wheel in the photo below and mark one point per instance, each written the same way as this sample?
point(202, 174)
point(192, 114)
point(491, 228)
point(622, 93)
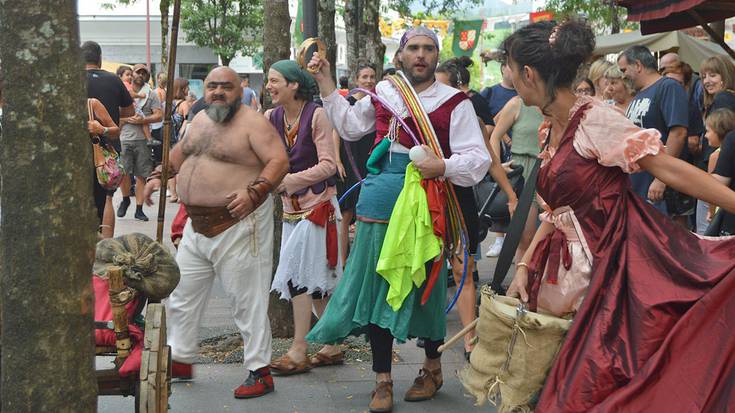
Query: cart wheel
point(155, 367)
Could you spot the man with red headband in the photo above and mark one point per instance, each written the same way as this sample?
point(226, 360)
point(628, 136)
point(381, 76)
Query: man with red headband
point(359, 303)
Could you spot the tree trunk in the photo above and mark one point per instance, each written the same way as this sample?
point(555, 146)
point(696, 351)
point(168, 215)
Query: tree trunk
point(48, 223)
point(225, 60)
point(164, 6)
point(276, 37)
point(277, 46)
point(615, 18)
point(326, 32)
point(374, 47)
point(353, 31)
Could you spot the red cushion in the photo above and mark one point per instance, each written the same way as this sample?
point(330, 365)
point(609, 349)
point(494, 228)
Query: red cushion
point(102, 337)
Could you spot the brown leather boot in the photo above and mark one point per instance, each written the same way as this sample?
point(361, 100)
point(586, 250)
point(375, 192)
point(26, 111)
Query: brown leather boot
point(382, 401)
point(425, 386)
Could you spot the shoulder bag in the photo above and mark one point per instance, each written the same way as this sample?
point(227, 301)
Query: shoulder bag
point(107, 165)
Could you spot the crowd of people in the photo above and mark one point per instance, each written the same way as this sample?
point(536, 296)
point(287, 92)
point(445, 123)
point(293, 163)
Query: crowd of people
point(636, 157)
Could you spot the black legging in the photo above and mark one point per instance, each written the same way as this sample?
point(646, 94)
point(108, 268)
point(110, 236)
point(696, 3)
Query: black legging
point(381, 345)
point(99, 195)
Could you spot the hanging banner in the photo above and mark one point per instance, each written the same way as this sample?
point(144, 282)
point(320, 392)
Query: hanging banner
point(298, 27)
point(466, 36)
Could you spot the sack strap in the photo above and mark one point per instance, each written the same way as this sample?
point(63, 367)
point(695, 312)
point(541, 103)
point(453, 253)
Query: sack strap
point(516, 227)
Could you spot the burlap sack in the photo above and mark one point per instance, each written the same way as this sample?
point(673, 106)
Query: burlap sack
point(147, 265)
point(512, 370)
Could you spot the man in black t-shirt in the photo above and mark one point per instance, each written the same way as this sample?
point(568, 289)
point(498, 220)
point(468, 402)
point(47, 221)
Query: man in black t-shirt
point(105, 86)
point(110, 90)
point(662, 104)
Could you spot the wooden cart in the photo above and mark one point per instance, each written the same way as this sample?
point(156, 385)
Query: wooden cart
point(152, 386)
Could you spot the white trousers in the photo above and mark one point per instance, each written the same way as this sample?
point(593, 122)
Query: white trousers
point(242, 258)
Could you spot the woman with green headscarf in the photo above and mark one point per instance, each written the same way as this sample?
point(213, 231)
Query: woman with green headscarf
point(310, 263)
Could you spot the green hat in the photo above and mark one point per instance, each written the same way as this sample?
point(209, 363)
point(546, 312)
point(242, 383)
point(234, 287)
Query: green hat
point(292, 72)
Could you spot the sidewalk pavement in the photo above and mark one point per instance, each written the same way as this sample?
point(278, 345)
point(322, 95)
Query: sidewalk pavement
point(323, 390)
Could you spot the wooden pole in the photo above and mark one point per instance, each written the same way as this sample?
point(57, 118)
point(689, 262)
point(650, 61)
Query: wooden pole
point(167, 118)
point(457, 336)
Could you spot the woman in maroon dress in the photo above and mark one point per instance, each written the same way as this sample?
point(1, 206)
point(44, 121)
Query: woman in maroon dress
point(652, 303)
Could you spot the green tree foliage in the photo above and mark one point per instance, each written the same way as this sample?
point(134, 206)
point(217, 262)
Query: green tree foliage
point(603, 15)
point(225, 26)
point(431, 7)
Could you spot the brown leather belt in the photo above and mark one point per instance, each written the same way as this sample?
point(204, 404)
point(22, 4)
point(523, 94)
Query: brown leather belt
point(210, 221)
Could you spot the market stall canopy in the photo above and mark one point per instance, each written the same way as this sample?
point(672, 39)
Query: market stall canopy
point(662, 16)
point(690, 49)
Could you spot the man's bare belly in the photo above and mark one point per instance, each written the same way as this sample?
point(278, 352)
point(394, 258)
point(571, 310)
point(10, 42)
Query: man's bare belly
point(203, 181)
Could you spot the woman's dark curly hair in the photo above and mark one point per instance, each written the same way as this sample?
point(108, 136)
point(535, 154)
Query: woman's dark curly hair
point(557, 61)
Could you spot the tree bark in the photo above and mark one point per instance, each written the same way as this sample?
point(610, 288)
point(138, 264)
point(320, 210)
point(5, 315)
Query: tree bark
point(276, 37)
point(374, 47)
point(326, 32)
point(615, 18)
point(48, 223)
point(277, 46)
point(164, 6)
point(354, 32)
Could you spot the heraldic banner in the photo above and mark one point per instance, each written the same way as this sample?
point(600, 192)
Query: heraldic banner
point(466, 36)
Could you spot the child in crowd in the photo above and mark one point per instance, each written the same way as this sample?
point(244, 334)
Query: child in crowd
point(717, 125)
point(125, 73)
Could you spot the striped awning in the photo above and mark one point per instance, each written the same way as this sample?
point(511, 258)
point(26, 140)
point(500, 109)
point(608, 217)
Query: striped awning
point(666, 15)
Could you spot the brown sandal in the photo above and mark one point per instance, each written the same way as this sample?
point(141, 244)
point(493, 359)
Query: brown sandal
point(321, 359)
point(285, 366)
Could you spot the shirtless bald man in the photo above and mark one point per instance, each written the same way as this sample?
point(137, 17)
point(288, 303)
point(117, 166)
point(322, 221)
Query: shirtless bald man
point(228, 162)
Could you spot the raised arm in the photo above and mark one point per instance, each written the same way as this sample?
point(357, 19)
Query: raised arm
point(689, 179)
point(352, 122)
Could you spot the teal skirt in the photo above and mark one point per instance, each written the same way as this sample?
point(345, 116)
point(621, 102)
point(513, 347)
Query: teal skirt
point(359, 298)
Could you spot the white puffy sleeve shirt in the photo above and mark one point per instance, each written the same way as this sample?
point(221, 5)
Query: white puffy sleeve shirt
point(470, 159)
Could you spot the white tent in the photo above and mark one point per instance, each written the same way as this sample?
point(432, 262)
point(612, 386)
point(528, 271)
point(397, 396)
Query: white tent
point(690, 49)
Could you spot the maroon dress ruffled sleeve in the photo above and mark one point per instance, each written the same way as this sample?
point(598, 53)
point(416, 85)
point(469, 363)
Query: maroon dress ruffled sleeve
point(654, 332)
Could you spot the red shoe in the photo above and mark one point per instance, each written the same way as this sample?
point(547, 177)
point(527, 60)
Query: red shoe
point(183, 371)
point(258, 383)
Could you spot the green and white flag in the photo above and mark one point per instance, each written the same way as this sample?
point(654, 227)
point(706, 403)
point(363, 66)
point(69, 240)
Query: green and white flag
point(298, 28)
point(466, 36)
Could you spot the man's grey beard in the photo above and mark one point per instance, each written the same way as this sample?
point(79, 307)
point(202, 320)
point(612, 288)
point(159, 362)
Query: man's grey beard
point(223, 113)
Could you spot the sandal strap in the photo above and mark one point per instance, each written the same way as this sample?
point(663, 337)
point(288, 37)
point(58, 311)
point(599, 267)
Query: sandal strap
point(284, 363)
point(327, 360)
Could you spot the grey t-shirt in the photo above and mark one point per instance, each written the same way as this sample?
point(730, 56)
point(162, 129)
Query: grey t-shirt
point(135, 132)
